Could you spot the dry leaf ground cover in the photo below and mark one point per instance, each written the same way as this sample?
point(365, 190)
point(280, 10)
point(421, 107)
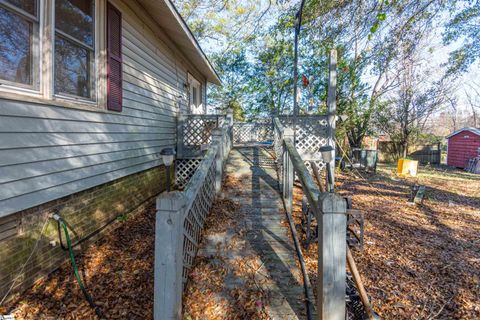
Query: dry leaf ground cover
point(222, 283)
point(419, 262)
point(117, 271)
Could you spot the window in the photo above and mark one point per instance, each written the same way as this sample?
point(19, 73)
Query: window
point(55, 52)
point(196, 106)
point(19, 24)
point(74, 48)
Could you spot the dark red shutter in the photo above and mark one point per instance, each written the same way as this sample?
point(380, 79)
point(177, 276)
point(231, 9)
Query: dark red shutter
point(114, 56)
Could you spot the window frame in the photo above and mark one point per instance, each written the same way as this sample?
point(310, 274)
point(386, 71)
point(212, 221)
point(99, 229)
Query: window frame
point(92, 53)
point(193, 82)
point(44, 93)
point(36, 49)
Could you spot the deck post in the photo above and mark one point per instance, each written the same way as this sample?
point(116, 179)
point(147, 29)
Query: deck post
point(230, 123)
point(219, 140)
point(332, 108)
point(168, 268)
point(180, 146)
point(332, 252)
point(288, 172)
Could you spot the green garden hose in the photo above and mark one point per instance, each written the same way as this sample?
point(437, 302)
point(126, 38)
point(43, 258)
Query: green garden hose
point(88, 297)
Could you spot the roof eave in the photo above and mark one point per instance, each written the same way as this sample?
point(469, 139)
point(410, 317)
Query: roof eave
point(167, 17)
point(214, 77)
point(472, 130)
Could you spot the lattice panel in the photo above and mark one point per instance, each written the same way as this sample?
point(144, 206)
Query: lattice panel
point(311, 133)
point(197, 132)
point(252, 132)
point(320, 165)
point(195, 219)
point(185, 169)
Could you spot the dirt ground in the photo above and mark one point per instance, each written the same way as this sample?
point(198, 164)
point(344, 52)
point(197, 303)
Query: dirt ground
point(419, 262)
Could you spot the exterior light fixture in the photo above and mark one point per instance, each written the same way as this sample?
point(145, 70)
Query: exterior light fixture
point(328, 154)
point(168, 154)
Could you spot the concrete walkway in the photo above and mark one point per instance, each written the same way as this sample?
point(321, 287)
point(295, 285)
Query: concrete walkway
point(266, 230)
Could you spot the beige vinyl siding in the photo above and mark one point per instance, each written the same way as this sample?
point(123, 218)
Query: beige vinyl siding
point(48, 152)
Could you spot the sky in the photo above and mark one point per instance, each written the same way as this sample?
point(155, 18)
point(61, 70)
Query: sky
point(436, 58)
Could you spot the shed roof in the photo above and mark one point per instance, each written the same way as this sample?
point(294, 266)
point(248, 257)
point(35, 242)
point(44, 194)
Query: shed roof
point(166, 16)
point(474, 130)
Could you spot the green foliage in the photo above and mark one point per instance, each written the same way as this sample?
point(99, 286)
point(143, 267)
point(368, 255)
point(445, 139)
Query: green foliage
point(238, 113)
point(235, 71)
point(464, 27)
point(122, 217)
point(250, 42)
point(428, 138)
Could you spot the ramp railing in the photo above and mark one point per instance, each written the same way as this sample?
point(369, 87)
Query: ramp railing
point(259, 131)
point(194, 133)
point(330, 211)
point(180, 219)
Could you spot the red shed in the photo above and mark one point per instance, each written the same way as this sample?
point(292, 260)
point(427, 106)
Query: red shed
point(463, 144)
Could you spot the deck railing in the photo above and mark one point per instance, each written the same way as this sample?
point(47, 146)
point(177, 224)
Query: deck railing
point(330, 211)
point(180, 220)
point(252, 132)
point(194, 133)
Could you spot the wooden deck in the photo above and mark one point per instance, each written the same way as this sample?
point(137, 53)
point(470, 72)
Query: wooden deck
point(267, 233)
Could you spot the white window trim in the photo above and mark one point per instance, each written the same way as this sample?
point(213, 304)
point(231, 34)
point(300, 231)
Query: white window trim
point(45, 38)
point(13, 87)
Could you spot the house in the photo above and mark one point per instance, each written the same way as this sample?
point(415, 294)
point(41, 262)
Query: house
point(463, 145)
point(89, 95)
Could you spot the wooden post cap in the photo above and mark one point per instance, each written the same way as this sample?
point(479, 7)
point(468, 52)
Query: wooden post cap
point(332, 203)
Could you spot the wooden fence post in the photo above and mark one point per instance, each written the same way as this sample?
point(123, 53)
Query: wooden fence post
point(180, 144)
point(439, 153)
point(230, 123)
point(288, 172)
point(168, 268)
point(218, 140)
point(332, 107)
point(332, 251)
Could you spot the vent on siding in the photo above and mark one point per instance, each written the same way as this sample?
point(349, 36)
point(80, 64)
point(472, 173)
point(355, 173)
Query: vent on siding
point(114, 51)
point(8, 227)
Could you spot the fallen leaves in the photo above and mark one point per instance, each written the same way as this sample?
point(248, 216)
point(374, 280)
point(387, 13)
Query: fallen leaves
point(419, 262)
point(117, 271)
point(222, 282)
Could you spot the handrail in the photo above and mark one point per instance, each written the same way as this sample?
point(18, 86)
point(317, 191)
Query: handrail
point(278, 125)
point(330, 211)
point(310, 188)
point(193, 186)
point(288, 149)
point(179, 222)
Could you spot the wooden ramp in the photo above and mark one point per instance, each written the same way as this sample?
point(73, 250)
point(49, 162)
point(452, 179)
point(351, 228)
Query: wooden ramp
point(266, 231)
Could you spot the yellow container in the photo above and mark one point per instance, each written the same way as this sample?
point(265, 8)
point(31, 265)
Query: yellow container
point(406, 166)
